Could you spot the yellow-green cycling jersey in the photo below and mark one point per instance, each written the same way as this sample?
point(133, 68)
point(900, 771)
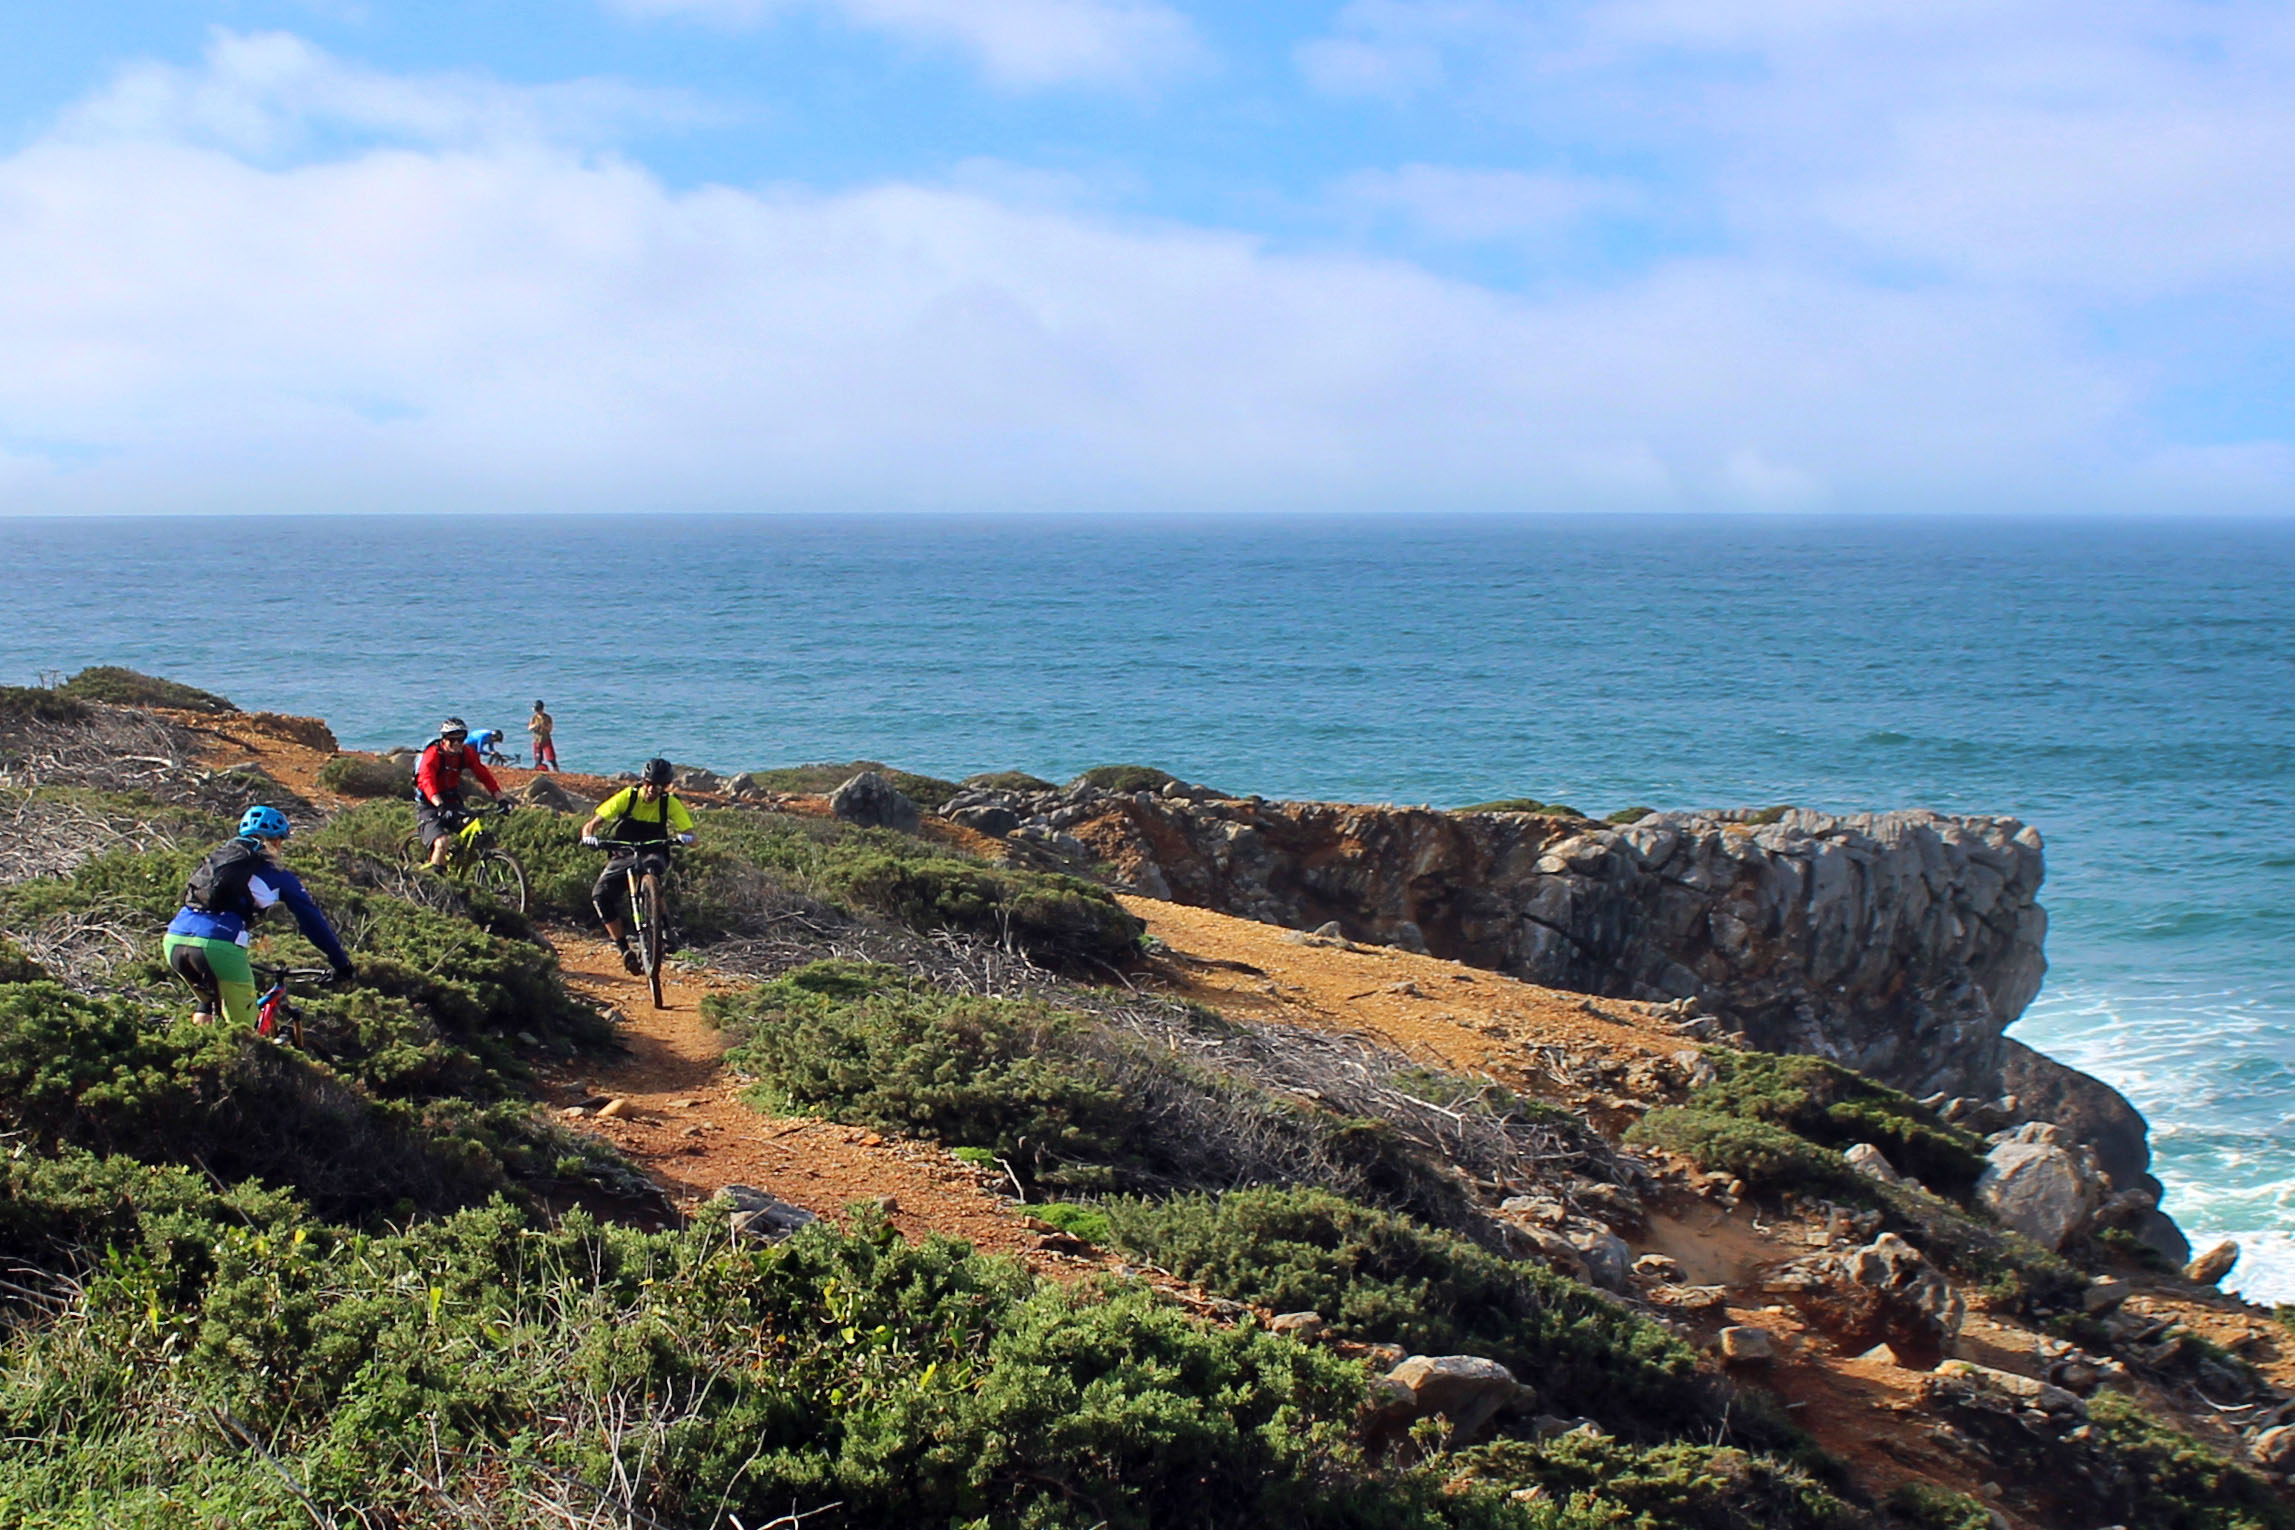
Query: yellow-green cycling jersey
point(629, 818)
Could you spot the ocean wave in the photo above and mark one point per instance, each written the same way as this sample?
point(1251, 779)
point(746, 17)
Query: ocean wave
point(2265, 1273)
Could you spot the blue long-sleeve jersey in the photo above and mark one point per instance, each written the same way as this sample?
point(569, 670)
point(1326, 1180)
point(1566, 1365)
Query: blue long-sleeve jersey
point(267, 887)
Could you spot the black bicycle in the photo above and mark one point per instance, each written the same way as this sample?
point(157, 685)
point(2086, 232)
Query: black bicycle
point(648, 904)
point(476, 855)
point(276, 1017)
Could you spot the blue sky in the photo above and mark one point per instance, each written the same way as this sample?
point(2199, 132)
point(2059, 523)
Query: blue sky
point(1830, 255)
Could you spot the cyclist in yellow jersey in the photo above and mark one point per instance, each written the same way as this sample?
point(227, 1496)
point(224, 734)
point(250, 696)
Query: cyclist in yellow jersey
point(639, 821)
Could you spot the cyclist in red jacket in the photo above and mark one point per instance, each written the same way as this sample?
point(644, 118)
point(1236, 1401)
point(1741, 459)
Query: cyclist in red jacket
point(438, 786)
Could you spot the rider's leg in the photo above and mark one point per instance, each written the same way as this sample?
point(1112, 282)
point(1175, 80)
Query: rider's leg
point(431, 824)
point(607, 895)
point(187, 959)
point(224, 964)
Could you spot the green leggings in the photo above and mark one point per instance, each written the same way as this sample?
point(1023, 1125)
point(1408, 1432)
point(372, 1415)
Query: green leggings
point(216, 969)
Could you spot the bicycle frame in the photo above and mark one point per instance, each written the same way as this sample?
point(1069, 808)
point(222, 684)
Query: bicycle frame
point(472, 840)
point(276, 1006)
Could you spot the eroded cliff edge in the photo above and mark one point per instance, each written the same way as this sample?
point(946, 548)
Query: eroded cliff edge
point(1902, 945)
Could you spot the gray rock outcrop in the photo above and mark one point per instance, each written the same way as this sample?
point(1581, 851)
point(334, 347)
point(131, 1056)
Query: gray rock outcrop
point(2043, 1183)
point(2213, 1265)
point(1882, 1293)
point(872, 802)
point(1466, 1391)
point(762, 1218)
point(549, 792)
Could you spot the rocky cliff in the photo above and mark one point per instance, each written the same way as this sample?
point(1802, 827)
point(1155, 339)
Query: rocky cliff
point(1899, 944)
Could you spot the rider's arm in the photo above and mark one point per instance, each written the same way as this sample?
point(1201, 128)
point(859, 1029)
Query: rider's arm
point(276, 884)
point(680, 819)
point(485, 777)
point(426, 782)
point(611, 809)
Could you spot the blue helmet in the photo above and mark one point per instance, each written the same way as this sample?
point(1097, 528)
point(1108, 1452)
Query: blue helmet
point(264, 823)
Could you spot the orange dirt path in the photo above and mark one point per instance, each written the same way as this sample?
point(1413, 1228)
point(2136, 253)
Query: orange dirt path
point(1470, 1017)
point(685, 1124)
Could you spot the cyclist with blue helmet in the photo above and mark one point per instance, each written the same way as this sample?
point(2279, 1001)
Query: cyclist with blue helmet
point(229, 891)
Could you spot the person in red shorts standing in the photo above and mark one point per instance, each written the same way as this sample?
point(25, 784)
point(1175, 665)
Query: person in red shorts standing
point(438, 786)
point(545, 752)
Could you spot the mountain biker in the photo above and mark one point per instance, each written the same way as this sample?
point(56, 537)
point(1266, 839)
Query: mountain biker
point(640, 821)
point(483, 744)
point(438, 787)
point(541, 725)
point(206, 942)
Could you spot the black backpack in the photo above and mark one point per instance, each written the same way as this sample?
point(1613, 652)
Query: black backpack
point(219, 883)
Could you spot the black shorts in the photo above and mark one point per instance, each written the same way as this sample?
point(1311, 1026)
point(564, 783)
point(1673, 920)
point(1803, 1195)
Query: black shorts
point(430, 822)
point(610, 892)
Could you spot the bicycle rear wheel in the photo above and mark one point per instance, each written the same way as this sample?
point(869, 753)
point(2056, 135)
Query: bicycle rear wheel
point(500, 875)
point(649, 933)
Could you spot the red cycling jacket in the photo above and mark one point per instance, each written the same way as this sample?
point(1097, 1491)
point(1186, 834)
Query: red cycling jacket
point(438, 774)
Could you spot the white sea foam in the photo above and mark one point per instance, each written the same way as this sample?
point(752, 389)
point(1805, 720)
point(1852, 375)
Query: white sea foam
point(2213, 1071)
point(2266, 1270)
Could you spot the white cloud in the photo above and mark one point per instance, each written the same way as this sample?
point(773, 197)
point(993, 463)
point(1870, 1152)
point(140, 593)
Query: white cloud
point(1477, 205)
point(495, 320)
point(1021, 44)
point(263, 94)
point(2122, 150)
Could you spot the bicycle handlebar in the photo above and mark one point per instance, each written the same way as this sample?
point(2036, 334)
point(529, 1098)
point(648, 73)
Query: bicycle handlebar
point(316, 976)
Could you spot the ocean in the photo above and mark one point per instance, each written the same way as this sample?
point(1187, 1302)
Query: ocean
point(2127, 686)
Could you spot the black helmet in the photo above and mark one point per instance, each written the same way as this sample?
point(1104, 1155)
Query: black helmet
point(657, 772)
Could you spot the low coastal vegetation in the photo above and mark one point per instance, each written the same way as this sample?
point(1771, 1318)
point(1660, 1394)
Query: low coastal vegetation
point(127, 688)
point(371, 1280)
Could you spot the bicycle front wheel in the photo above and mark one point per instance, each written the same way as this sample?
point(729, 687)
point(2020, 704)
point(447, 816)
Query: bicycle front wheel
point(649, 933)
point(502, 878)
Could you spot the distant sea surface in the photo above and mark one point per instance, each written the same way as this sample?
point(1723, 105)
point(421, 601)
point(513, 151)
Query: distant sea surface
point(2127, 687)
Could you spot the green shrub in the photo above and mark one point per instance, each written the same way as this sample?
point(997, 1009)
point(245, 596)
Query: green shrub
point(1628, 815)
point(365, 775)
point(15, 966)
point(1676, 1486)
point(1006, 781)
point(1066, 1100)
point(1768, 815)
point(69, 1208)
point(512, 1365)
point(1833, 1107)
point(1057, 920)
point(105, 1076)
point(1086, 1222)
point(1126, 778)
point(20, 704)
point(857, 1042)
point(1766, 1157)
point(126, 688)
point(1923, 1506)
point(2171, 1481)
point(1381, 1277)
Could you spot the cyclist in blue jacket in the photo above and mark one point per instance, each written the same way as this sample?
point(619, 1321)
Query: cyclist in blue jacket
point(207, 940)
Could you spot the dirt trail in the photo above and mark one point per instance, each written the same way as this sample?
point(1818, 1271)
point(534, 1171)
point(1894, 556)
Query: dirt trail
point(684, 1122)
point(1469, 1017)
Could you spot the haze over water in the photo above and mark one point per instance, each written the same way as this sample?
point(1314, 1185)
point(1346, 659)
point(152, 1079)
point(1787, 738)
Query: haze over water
point(2129, 687)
